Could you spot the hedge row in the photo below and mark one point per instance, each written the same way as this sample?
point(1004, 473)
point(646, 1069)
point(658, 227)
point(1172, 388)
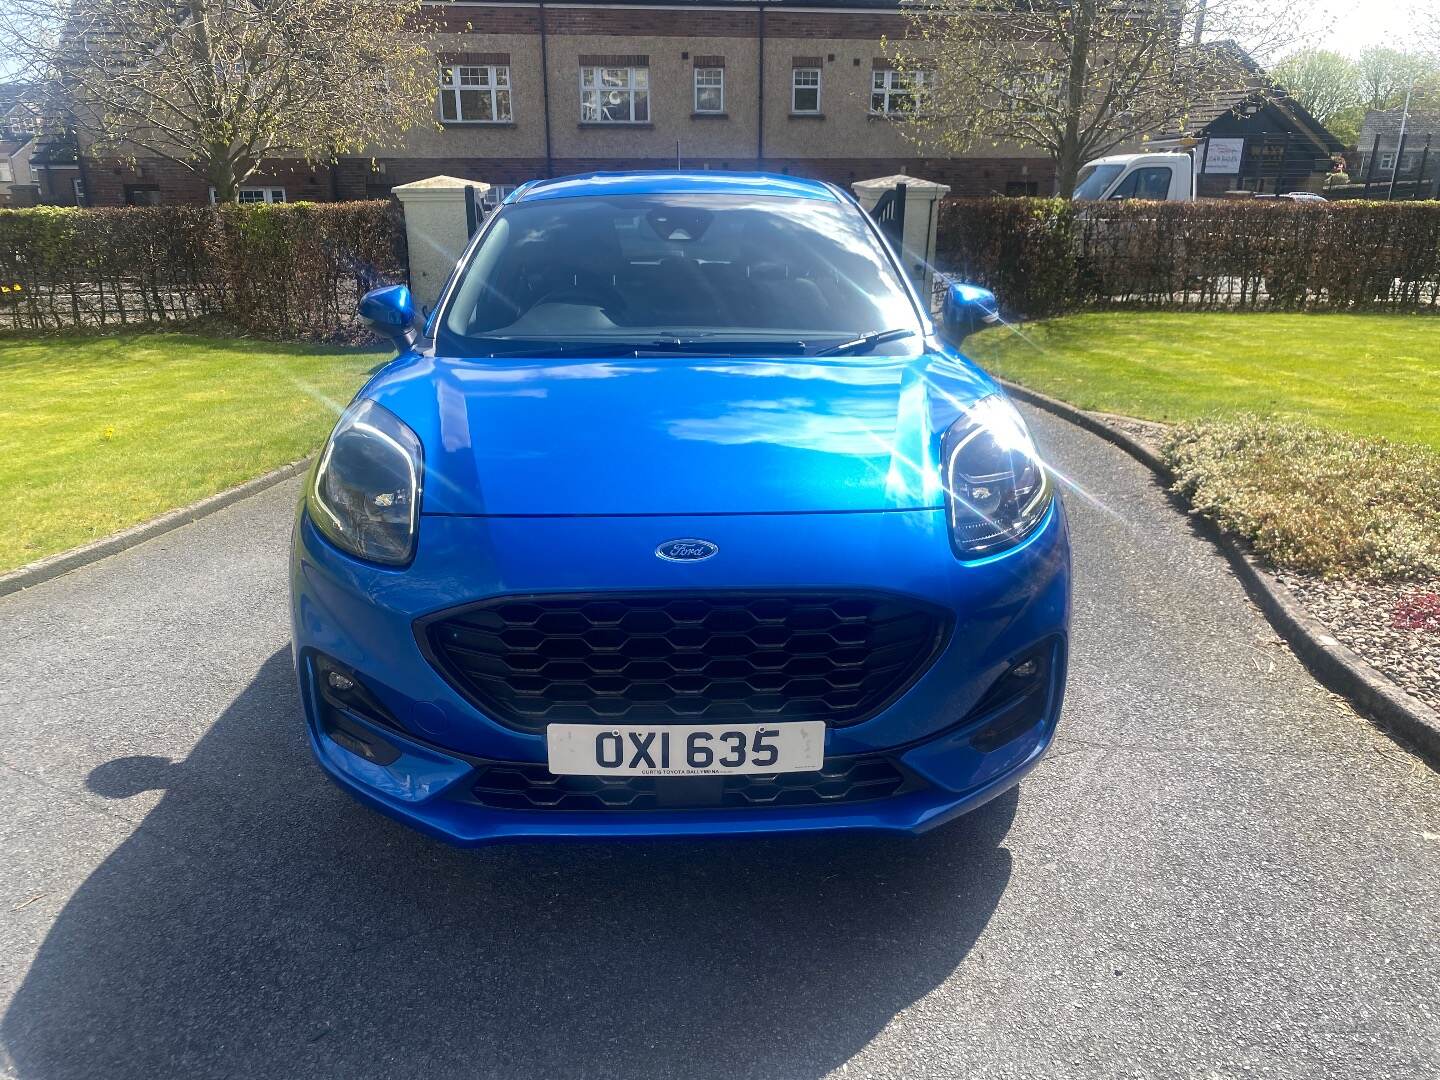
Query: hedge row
point(1045, 256)
point(291, 271)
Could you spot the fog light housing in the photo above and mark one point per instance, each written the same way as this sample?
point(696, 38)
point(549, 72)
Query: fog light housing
point(340, 688)
point(1017, 701)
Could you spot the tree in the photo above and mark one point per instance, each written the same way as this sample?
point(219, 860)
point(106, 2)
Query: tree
point(1324, 82)
point(1075, 78)
point(218, 86)
point(1387, 74)
point(1345, 124)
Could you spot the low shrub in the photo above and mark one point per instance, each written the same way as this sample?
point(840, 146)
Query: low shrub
point(1046, 256)
point(1311, 500)
point(281, 270)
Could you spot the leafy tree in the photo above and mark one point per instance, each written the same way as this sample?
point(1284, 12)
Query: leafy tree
point(217, 86)
point(1345, 124)
point(1075, 78)
point(1324, 82)
point(1387, 74)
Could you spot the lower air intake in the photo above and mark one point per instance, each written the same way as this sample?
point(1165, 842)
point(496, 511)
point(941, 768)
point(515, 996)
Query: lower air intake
point(531, 786)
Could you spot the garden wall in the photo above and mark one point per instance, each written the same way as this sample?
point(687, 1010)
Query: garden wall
point(1045, 256)
point(291, 271)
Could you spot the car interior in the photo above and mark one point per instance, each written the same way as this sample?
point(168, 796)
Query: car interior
point(605, 266)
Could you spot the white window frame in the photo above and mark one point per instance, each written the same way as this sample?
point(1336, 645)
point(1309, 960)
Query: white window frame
point(77, 185)
point(497, 194)
point(22, 123)
point(257, 195)
point(889, 84)
point(1387, 160)
point(592, 83)
point(7, 174)
point(1029, 86)
point(718, 75)
point(796, 86)
point(488, 80)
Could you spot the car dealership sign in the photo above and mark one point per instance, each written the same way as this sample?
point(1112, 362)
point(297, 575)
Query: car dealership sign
point(1223, 155)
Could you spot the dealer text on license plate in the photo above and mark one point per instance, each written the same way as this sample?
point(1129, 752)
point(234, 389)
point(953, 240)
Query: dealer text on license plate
point(680, 750)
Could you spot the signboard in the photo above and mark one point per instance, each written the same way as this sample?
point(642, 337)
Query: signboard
point(1223, 155)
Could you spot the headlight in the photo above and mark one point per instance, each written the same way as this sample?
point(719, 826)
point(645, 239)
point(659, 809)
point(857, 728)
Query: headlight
point(365, 496)
point(996, 488)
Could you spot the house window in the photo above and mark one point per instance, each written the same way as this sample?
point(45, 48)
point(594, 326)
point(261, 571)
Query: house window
point(1387, 161)
point(709, 90)
point(895, 93)
point(6, 175)
point(78, 186)
point(497, 194)
point(1034, 91)
point(475, 94)
point(619, 95)
point(24, 123)
point(255, 195)
point(805, 90)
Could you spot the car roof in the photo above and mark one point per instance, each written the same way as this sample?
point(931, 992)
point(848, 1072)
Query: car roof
point(673, 182)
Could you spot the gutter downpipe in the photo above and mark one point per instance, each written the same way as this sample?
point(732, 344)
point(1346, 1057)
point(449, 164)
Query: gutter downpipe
point(760, 97)
point(545, 92)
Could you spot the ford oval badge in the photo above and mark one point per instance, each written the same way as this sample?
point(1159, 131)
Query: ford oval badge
point(687, 550)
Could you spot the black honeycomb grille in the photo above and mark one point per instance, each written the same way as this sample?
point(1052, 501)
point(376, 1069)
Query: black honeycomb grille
point(679, 658)
point(531, 786)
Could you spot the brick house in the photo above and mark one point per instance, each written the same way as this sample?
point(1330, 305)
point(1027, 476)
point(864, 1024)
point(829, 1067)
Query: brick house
point(37, 164)
point(528, 89)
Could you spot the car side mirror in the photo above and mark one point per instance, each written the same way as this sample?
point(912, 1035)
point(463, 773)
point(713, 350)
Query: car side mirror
point(390, 312)
point(967, 308)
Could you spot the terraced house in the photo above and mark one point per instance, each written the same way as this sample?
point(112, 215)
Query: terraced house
point(527, 89)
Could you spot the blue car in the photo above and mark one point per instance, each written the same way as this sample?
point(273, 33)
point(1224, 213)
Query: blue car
point(679, 516)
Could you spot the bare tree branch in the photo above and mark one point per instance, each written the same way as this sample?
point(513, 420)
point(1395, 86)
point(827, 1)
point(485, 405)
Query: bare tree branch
point(1076, 78)
point(218, 85)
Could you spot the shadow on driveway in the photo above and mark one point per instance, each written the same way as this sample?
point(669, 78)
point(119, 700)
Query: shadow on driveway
point(261, 924)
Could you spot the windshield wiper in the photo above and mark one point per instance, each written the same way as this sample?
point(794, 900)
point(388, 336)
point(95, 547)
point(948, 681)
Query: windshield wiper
point(866, 342)
point(602, 348)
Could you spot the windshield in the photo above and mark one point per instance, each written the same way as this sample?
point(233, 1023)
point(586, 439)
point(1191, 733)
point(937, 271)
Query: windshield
point(715, 270)
point(1094, 179)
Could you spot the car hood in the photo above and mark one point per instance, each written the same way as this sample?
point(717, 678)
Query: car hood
point(679, 436)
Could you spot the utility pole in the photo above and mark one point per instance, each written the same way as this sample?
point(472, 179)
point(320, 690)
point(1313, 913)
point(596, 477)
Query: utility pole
point(1404, 122)
point(1370, 165)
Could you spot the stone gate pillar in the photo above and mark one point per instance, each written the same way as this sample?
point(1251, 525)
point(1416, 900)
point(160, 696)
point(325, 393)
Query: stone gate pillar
point(922, 215)
point(440, 218)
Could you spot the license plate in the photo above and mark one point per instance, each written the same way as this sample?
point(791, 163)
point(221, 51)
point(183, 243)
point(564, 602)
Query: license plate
point(674, 750)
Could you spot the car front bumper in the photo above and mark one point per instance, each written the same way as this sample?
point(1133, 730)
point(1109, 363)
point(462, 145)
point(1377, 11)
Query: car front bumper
point(363, 617)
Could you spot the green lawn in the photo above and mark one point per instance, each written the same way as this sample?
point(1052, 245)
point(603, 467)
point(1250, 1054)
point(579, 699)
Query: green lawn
point(1362, 374)
point(100, 433)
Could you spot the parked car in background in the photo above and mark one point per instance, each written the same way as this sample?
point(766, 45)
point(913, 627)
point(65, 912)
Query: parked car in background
point(679, 516)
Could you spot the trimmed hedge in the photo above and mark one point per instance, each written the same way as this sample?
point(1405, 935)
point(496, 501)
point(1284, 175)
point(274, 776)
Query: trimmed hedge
point(1046, 256)
point(287, 270)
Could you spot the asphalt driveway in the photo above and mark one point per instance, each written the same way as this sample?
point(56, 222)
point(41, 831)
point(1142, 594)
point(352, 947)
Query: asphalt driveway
point(1219, 871)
